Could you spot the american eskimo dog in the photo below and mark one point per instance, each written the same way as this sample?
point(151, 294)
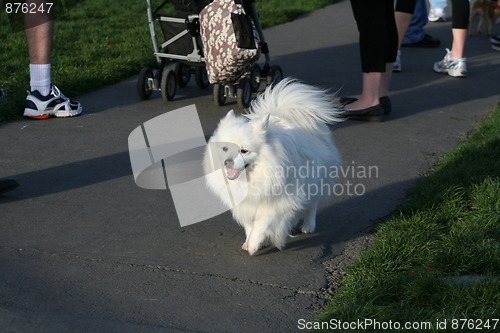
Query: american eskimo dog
point(278, 154)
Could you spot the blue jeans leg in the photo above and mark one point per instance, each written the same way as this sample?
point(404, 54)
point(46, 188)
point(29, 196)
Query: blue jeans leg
point(416, 32)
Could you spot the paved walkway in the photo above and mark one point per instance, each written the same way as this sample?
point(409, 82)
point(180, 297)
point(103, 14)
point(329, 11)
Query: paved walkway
point(83, 249)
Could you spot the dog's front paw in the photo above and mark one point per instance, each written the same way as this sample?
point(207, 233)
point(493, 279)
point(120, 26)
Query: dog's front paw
point(308, 226)
point(244, 246)
point(252, 249)
point(307, 229)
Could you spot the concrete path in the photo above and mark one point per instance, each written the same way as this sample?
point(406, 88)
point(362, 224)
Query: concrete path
point(83, 249)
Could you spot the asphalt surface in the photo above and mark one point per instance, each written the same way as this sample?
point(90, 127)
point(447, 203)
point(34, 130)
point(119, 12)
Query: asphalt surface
point(83, 249)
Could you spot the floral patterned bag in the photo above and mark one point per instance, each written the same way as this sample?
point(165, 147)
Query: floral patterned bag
point(230, 42)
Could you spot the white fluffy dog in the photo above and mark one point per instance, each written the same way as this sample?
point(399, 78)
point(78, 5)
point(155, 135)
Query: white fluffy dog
point(279, 156)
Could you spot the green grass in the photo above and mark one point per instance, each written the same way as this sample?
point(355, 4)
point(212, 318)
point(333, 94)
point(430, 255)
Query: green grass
point(448, 227)
point(101, 42)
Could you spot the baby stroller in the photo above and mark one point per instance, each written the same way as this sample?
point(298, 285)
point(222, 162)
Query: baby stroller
point(182, 54)
point(232, 42)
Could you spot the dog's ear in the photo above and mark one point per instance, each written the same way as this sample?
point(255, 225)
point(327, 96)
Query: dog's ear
point(227, 119)
point(230, 115)
point(260, 125)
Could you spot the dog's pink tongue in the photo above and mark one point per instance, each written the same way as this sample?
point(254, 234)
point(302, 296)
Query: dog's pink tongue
point(231, 173)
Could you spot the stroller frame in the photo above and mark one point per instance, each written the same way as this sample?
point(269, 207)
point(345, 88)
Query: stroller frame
point(172, 70)
point(195, 56)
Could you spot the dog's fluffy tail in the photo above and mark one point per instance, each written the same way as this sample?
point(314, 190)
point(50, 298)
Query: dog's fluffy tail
point(298, 103)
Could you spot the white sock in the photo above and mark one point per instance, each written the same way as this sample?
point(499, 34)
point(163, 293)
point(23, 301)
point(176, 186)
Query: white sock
point(40, 78)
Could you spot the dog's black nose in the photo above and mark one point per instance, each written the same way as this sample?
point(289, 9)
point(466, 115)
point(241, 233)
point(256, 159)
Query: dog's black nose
point(228, 163)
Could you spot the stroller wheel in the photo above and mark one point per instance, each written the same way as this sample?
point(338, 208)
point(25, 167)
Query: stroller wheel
point(219, 94)
point(183, 73)
point(244, 93)
point(168, 83)
point(145, 83)
point(275, 75)
point(201, 77)
point(255, 78)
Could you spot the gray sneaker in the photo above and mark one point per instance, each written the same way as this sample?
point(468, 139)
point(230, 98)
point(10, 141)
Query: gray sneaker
point(455, 67)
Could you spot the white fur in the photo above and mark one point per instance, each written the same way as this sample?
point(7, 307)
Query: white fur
point(284, 130)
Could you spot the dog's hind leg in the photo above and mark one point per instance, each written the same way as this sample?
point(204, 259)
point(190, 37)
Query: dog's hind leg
point(295, 222)
point(309, 224)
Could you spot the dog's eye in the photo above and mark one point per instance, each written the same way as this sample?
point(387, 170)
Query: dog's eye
point(243, 151)
point(225, 148)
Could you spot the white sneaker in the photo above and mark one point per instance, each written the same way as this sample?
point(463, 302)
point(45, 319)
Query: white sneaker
point(396, 67)
point(437, 15)
point(456, 67)
point(54, 104)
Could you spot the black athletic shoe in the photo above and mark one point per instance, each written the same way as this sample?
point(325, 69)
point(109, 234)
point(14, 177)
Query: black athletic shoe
point(54, 104)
